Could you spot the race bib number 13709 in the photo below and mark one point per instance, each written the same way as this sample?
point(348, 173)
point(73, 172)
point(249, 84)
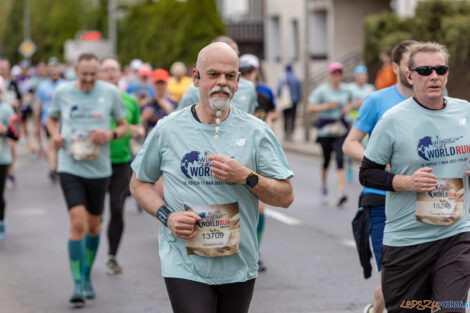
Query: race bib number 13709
point(218, 232)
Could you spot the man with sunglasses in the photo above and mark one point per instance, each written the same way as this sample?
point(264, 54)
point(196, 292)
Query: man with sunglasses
point(426, 141)
point(372, 201)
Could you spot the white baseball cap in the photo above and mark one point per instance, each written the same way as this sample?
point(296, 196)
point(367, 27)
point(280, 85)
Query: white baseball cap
point(136, 64)
point(249, 59)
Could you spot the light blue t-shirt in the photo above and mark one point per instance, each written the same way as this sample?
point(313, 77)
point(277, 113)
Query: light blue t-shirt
point(44, 93)
point(375, 105)
point(81, 112)
point(324, 94)
point(6, 112)
point(177, 149)
point(244, 98)
point(409, 137)
point(360, 92)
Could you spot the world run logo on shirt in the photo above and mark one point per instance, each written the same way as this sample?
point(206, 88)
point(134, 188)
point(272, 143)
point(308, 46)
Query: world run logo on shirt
point(437, 147)
point(196, 164)
point(77, 112)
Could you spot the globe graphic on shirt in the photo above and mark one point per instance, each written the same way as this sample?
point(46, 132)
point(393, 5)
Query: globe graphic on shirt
point(423, 145)
point(191, 158)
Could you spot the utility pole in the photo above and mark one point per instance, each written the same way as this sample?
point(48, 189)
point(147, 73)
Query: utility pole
point(306, 85)
point(112, 29)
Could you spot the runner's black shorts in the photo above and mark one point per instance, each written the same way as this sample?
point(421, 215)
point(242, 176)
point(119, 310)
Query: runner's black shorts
point(187, 296)
point(89, 192)
point(433, 271)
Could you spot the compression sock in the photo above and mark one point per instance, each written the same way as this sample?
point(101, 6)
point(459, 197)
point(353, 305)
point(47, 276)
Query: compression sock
point(76, 262)
point(260, 228)
point(91, 246)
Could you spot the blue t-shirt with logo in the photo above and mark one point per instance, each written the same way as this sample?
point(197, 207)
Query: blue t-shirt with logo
point(82, 112)
point(177, 149)
point(409, 137)
point(373, 107)
point(244, 98)
point(44, 93)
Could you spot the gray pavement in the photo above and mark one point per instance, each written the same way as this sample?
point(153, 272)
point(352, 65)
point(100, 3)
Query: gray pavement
point(309, 251)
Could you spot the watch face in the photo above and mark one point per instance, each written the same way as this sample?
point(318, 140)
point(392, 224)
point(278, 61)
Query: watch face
point(252, 180)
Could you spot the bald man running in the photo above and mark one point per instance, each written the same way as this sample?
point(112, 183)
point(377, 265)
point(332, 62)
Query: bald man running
point(216, 162)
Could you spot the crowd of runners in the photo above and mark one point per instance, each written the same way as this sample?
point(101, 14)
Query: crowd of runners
point(196, 150)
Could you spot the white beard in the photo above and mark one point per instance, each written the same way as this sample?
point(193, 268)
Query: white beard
point(218, 103)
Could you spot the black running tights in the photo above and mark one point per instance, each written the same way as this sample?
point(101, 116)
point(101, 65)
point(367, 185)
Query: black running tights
point(187, 296)
point(118, 190)
point(3, 178)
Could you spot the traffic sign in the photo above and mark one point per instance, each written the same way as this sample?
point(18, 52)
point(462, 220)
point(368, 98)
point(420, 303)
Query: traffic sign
point(27, 48)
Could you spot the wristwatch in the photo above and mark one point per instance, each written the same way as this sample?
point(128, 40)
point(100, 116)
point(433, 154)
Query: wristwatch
point(115, 134)
point(251, 180)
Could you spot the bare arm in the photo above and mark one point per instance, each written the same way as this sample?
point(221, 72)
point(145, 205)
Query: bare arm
point(181, 224)
point(271, 191)
point(352, 146)
point(315, 108)
point(53, 126)
point(101, 136)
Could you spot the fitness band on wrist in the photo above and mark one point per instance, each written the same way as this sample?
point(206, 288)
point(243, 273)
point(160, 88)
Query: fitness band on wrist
point(163, 213)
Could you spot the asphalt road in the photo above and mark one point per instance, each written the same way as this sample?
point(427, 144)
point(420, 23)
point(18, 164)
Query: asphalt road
point(308, 250)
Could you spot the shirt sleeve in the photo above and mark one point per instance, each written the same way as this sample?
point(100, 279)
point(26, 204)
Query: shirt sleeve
point(253, 100)
point(316, 96)
point(118, 111)
point(54, 106)
point(147, 163)
point(380, 146)
point(189, 98)
point(272, 162)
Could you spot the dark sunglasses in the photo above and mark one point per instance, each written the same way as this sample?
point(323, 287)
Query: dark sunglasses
point(427, 70)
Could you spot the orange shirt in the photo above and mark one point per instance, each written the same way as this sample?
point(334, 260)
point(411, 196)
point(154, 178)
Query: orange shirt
point(385, 77)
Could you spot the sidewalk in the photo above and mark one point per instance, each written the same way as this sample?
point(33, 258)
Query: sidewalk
point(298, 143)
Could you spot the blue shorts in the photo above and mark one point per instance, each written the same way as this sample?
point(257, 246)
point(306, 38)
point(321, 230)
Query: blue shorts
point(376, 232)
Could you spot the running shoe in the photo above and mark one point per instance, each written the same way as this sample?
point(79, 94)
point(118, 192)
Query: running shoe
point(54, 176)
point(112, 266)
point(261, 266)
point(88, 291)
point(342, 199)
point(77, 298)
point(368, 309)
point(11, 182)
point(324, 195)
point(3, 230)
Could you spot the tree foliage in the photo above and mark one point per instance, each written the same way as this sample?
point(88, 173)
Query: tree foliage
point(168, 30)
point(446, 22)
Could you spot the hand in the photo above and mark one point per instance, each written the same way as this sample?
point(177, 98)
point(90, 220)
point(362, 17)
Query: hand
point(332, 105)
point(101, 136)
point(181, 224)
point(422, 180)
point(58, 141)
point(228, 169)
point(3, 129)
point(467, 172)
point(137, 131)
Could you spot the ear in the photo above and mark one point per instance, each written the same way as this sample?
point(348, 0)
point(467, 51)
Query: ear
point(238, 77)
point(196, 77)
point(408, 77)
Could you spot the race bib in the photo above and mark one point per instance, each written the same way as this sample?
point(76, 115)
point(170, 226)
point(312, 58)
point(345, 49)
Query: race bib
point(218, 232)
point(81, 147)
point(336, 129)
point(442, 206)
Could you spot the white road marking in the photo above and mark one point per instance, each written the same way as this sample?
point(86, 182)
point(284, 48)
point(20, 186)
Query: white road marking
point(348, 243)
point(30, 212)
point(281, 217)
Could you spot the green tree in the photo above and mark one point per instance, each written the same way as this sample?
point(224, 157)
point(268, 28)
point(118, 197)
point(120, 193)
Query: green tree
point(446, 22)
point(168, 30)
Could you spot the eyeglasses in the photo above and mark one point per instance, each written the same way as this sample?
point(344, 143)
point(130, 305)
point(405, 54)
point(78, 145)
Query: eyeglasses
point(427, 70)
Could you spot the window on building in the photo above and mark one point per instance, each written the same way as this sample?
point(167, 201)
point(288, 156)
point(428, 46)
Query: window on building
point(318, 34)
point(274, 39)
point(294, 37)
